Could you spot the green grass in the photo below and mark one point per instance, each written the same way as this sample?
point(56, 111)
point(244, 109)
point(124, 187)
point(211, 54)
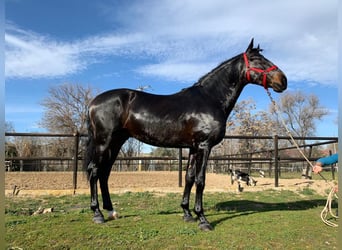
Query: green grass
point(258, 220)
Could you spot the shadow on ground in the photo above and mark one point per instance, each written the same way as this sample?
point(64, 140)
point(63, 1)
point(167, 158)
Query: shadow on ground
point(238, 208)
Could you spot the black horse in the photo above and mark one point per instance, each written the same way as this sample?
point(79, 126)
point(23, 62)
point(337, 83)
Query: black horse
point(193, 118)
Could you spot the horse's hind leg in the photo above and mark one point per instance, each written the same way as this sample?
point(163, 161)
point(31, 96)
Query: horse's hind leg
point(117, 141)
point(94, 174)
point(103, 178)
point(97, 169)
point(91, 166)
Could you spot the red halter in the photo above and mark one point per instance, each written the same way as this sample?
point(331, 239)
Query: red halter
point(262, 71)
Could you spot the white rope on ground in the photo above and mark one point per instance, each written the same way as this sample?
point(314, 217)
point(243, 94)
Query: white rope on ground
point(327, 209)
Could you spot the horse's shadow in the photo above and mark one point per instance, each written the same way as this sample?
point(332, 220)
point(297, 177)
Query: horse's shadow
point(237, 208)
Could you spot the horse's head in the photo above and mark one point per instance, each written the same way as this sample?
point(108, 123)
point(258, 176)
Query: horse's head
point(261, 71)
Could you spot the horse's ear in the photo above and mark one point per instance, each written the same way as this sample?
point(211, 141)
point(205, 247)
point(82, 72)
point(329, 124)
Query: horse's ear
point(250, 46)
point(258, 48)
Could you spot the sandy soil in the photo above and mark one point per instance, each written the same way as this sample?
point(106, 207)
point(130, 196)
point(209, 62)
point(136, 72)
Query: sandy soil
point(61, 183)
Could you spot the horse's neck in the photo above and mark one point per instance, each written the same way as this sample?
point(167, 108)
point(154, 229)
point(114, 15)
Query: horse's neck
point(224, 84)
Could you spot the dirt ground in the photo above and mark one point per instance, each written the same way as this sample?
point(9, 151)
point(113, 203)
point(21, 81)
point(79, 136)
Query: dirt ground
point(61, 183)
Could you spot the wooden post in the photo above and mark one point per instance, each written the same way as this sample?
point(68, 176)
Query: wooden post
point(332, 168)
point(180, 158)
point(270, 165)
point(76, 141)
point(276, 162)
point(139, 165)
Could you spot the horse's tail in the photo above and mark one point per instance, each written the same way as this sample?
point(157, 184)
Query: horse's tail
point(89, 152)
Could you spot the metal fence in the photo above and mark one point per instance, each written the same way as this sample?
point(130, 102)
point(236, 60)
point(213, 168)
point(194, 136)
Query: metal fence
point(271, 160)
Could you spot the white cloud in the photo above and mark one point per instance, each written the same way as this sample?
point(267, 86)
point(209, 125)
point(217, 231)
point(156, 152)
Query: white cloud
point(34, 56)
point(184, 37)
point(181, 72)
point(299, 36)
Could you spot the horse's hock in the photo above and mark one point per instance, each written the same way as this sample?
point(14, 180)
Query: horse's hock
point(61, 183)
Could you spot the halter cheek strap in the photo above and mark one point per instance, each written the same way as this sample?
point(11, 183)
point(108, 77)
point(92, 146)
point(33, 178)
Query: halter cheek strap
point(258, 70)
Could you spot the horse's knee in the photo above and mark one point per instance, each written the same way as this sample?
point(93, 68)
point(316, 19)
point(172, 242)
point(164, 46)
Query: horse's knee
point(200, 182)
point(92, 171)
point(90, 168)
point(102, 151)
point(189, 178)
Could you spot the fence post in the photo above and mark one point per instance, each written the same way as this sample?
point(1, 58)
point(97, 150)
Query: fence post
point(180, 158)
point(332, 168)
point(76, 140)
point(276, 162)
point(308, 173)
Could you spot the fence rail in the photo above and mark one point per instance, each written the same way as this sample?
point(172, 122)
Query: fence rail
point(273, 158)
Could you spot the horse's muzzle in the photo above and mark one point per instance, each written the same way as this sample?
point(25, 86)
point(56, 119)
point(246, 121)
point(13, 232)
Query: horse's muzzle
point(279, 82)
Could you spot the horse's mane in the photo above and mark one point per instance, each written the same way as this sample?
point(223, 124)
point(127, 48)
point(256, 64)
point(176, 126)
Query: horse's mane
point(221, 67)
point(213, 73)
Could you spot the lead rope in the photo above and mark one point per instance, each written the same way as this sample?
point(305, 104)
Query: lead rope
point(327, 209)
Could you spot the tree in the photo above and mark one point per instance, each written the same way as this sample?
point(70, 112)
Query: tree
point(28, 147)
point(165, 152)
point(300, 113)
point(9, 127)
point(65, 111)
point(132, 147)
point(246, 120)
point(66, 108)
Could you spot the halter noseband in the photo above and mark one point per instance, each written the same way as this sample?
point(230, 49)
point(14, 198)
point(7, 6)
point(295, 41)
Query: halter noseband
point(262, 71)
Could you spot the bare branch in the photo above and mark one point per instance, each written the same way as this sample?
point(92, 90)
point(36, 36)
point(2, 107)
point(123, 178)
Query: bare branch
point(66, 108)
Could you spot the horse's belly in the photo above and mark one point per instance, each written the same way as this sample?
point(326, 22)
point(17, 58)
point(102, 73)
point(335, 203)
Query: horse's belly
point(164, 135)
point(176, 133)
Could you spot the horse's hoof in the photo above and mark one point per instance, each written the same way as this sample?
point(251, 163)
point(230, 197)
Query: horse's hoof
point(188, 218)
point(98, 219)
point(205, 227)
point(112, 215)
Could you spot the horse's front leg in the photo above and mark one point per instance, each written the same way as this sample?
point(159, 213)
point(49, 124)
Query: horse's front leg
point(94, 204)
point(200, 184)
point(189, 182)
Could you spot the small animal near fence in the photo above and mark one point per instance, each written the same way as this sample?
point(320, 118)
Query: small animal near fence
point(272, 160)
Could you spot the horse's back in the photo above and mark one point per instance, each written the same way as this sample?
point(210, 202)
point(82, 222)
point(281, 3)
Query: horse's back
point(114, 108)
point(110, 96)
point(178, 120)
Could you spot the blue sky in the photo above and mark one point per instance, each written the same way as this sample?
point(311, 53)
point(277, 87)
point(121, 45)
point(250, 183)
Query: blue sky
point(168, 45)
